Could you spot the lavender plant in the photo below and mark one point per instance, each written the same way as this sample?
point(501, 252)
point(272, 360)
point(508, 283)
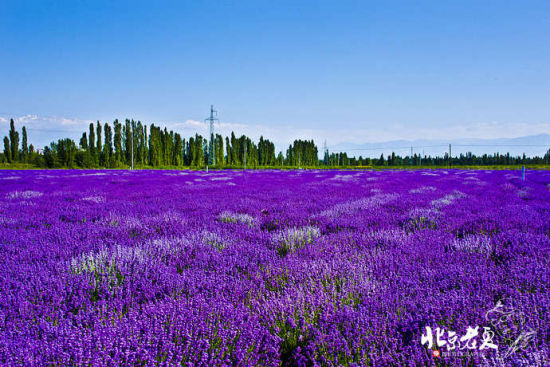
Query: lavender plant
point(270, 268)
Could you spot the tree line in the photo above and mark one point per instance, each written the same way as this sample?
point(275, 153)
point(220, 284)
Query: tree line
point(120, 144)
point(416, 160)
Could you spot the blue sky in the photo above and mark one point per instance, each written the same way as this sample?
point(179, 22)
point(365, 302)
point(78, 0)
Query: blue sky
point(344, 71)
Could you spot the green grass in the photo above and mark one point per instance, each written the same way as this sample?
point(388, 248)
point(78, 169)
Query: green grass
point(29, 166)
point(475, 167)
point(18, 166)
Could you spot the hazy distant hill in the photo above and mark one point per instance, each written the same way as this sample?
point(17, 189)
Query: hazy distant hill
point(530, 145)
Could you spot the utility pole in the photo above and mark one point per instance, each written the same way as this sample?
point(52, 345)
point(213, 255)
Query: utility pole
point(325, 151)
point(212, 147)
point(450, 160)
point(245, 144)
point(411, 156)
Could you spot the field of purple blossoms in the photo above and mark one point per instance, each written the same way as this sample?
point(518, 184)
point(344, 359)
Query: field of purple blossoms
point(268, 268)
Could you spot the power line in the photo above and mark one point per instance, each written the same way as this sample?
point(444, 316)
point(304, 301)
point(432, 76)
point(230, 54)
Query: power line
point(439, 146)
point(501, 145)
point(396, 148)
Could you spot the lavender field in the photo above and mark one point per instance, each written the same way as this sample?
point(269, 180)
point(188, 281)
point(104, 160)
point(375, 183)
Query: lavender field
point(268, 268)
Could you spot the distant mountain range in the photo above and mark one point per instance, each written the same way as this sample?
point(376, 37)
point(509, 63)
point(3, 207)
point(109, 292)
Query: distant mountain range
point(530, 145)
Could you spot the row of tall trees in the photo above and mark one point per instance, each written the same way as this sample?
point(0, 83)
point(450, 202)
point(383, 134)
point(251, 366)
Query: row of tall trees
point(12, 152)
point(114, 145)
point(120, 144)
point(469, 159)
point(302, 153)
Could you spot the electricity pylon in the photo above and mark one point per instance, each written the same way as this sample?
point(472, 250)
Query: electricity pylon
point(212, 147)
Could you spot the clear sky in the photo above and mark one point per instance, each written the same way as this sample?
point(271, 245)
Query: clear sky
point(345, 71)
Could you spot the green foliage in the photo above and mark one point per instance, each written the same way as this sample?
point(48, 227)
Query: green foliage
point(291, 239)
point(24, 145)
point(7, 150)
point(228, 217)
point(14, 142)
point(302, 153)
point(117, 147)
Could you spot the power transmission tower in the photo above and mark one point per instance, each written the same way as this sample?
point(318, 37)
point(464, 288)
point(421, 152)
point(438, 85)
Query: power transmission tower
point(212, 148)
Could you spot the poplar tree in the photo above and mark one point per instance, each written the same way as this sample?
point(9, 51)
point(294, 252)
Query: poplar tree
point(235, 160)
point(219, 150)
point(7, 149)
point(228, 151)
point(24, 146)
point(178, 150)
point(127, 132)
point(14, 142)
point(91, 142)
point(108, 146)
point(98, 145)
point(84, 142)
point(118, 141)
point(140, 143)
